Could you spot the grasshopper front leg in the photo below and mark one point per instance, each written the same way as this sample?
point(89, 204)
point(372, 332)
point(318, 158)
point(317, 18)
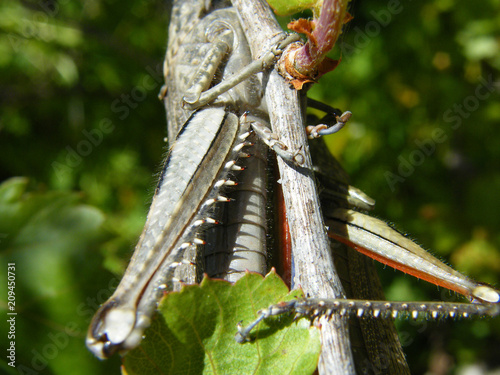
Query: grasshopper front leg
point(331, 123)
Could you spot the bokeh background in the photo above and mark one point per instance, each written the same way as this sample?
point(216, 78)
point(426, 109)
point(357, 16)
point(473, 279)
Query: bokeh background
point(81, 141)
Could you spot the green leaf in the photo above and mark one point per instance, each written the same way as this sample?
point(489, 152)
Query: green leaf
point(194, 332)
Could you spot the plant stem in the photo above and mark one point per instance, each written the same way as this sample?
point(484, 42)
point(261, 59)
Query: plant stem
point(324, 36)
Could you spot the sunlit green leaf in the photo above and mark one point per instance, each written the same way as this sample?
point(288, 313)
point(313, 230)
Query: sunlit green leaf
point(194, 333)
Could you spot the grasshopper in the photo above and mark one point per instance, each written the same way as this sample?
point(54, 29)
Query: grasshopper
point(197, 168)
point(177, 68)
point(210, 132)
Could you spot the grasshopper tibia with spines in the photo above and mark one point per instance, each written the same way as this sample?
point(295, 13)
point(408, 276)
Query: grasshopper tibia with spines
point(314, 307)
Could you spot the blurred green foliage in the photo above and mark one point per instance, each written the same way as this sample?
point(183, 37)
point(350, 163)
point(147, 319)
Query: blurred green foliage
point(80, 119)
